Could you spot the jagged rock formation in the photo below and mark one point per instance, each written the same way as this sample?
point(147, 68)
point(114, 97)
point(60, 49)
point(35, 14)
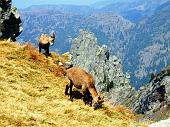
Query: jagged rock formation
point(10, 22)
point(106, 68)
point(154, 98)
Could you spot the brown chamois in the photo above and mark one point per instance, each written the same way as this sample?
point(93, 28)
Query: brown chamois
point(45, 42)
point(83, 80)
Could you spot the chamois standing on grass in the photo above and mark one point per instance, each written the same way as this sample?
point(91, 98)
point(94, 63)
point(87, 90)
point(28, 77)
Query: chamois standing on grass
point(45, 42)
point(83, 80)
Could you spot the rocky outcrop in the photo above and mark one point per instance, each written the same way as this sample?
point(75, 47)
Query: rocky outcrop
point(153, 99)
point(10, 22)
point(106, 68)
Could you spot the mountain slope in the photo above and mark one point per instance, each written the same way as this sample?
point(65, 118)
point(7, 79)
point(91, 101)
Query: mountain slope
point(76, 9)
point(148, 50)
point(110, 28)
point(134, 11)
point(32, 94)
point(104, 3)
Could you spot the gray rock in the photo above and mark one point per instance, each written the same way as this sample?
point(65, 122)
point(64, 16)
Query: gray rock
point(155, 96)
point(10, 22)
point(106, 68)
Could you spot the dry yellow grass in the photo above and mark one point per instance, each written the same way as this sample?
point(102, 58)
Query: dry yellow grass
point(32, 94)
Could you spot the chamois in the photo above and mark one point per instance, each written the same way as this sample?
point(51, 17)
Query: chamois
point(83, 80)
point(45, 42)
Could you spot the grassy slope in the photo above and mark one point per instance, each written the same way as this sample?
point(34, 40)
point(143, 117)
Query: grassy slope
point(32, 94)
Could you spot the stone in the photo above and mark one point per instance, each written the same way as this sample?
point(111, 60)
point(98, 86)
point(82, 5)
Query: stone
point(155, 96)
point(10, 22)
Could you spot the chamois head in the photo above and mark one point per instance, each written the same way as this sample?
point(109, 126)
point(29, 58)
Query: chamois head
point(51, 39)
point(97, 102)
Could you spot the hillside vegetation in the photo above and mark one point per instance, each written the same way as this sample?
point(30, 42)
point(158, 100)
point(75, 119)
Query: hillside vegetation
point(32, 94)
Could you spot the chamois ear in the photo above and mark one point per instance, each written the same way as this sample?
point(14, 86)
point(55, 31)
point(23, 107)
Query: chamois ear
point(53, 34)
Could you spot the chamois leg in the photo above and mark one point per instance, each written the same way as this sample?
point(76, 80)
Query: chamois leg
point(87, 98)
point(84, 90)
point(66, 90)
point(39, 48)
point(85, 95)
point(47, 51)
point(71, 94)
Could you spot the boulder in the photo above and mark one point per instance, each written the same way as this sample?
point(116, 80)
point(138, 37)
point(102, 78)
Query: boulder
point(10, 22)
point(154, 98)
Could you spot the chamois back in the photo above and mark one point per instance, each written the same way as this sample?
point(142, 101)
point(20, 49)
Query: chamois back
point(80, 77)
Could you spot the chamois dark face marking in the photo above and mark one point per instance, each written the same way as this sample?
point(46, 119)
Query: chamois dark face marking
point(45, 42)
point(98, 103)
point(83, 80)
point(52, 39)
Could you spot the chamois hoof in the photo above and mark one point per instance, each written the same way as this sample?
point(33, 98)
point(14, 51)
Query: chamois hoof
point(66, 93)
point(71, 99)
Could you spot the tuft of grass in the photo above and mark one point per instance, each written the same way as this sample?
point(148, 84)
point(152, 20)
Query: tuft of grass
point(33, 54)
point(32, 94)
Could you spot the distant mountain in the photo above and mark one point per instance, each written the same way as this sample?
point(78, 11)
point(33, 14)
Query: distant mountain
point(101, 4)
point(134, 11)
point(164, 6)
point(148, 48)
point(108, 27)
point(75, 9)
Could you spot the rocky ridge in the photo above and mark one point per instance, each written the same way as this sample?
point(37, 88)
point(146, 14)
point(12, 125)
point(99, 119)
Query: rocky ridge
point(154, 98)
point(10, 22)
